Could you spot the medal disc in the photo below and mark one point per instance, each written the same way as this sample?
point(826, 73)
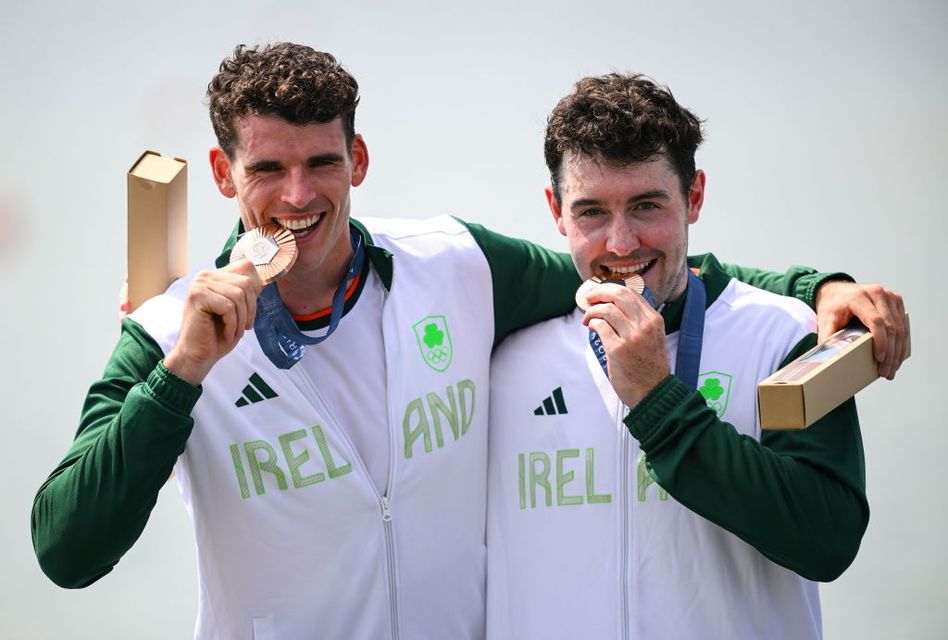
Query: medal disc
point(271, 249)
point(634, 282)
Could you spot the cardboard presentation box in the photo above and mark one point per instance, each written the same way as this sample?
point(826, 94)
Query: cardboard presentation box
point(818, 381)
point(157, 225)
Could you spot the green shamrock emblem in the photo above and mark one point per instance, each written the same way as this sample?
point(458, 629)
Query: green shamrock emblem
point(712, 389)
point(433, 335)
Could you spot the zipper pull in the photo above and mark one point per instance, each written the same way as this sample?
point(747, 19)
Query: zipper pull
point(386, 510)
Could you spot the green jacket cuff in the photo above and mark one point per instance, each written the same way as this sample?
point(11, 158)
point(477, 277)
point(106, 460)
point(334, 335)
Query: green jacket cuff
point(645, 419)
point(171, 391)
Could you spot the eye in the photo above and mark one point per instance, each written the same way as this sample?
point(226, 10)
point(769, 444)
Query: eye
point(263, 167)
point(325, 160)
point(646, 206)
point(592, 213)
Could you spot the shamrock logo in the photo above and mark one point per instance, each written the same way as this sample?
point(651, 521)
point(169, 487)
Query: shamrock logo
point(715, 388)
point(712, 389)
point(434, 341)
point(433, 335)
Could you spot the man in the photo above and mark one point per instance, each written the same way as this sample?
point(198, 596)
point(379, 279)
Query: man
point(343, 493)
point(621, 505)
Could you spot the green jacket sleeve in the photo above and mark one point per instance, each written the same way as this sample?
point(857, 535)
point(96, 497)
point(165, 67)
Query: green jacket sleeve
point(532, 284)
point(797, 496)
point(797, 282)
point(134, 425)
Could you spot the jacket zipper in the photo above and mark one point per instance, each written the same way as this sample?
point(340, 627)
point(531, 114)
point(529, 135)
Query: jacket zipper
point(386, 499)
point(390, 562)
point(302, 379)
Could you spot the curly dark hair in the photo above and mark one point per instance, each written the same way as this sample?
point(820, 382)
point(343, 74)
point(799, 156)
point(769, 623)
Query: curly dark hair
point(292, 81)
point(622, 119)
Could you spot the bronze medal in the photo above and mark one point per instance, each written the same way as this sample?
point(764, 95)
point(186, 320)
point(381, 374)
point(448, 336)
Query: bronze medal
point(271, 249)
point(634, 282)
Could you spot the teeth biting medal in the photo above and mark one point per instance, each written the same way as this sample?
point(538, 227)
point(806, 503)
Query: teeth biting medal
point(634, 282)
point(271, 249)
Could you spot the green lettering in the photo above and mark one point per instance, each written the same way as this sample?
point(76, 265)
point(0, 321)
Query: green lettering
point(437, 405)
point(421, 428)
point(239, 470)
point(591, 496)
point(644, 479)
point(563, 478)
point(331, 468)
point(294, 461)
point(522, 479)
point(466, 387)
point(269, 464)
point(540, 478)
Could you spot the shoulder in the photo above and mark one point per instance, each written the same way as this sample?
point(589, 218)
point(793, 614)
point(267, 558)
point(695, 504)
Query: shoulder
point(549, 339)
point(767, 325)
point(750, 301)
point(385, 230)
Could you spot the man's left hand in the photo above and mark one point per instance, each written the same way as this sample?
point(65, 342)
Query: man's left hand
point(880, 309)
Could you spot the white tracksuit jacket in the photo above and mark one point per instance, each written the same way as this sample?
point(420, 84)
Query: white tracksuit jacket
point(583, 543)
point(293, 538)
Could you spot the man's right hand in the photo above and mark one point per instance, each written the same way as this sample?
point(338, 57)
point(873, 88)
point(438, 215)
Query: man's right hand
point(220, 305)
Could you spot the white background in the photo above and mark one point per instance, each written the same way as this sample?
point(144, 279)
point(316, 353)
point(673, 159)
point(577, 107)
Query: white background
point(826, 140)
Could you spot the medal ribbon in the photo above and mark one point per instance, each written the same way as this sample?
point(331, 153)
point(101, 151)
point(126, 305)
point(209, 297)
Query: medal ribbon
point(688, 358)
point(276, 330)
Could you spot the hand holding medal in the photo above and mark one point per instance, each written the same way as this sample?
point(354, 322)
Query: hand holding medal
point(634, 337)
point(635, 282)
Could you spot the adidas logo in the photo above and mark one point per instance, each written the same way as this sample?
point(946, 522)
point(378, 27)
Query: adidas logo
point(256, 391)
point(553, 405)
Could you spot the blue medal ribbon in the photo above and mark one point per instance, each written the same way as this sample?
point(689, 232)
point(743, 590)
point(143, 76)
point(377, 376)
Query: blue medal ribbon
point(276, 330)
point(690, 334)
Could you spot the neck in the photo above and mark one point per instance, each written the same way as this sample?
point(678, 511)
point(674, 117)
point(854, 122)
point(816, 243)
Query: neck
point(678, 290)
point(306, 292)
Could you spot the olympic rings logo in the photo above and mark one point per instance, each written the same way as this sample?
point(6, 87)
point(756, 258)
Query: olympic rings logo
point(437, 356)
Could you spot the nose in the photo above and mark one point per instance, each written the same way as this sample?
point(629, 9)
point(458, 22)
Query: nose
point(298, 192)
point(622, 236)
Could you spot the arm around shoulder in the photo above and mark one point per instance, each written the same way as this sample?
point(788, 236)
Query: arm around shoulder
point(530, 283)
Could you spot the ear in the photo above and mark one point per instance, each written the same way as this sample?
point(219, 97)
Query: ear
point(555, 209)
point(220, 169)
point(360, 160)
point(696, 196)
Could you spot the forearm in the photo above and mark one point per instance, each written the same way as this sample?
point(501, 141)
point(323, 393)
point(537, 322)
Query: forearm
point(95, 504)
point(799, 498)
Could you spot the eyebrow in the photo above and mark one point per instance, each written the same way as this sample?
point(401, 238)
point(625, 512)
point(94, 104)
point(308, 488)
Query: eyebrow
point(318, 160)
point(648, 195)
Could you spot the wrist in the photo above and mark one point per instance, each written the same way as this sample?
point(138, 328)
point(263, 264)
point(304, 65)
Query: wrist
point(185, 368)
point(813, 296)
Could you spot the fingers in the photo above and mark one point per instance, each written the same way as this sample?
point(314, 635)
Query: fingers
point(892, 309)
point(633, 336)
point(881, 310)
point(230, 294)
point(624, 298)
point(228, 315)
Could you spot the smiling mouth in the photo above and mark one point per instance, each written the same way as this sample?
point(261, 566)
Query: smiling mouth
point(615, 271)
point(300, 227)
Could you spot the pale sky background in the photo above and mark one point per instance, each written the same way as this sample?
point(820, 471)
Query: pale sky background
point(826, 137)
